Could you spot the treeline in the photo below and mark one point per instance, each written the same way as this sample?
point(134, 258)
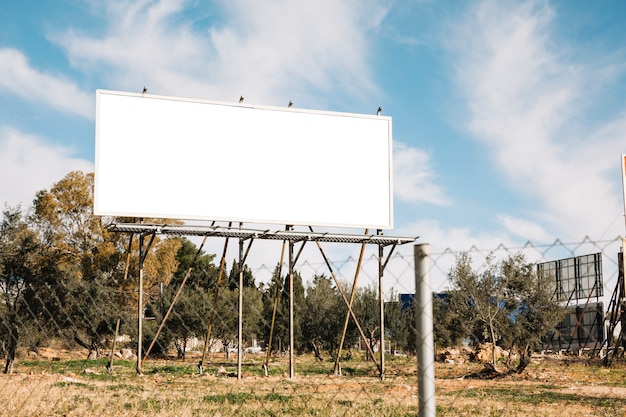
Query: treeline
point(64, 276)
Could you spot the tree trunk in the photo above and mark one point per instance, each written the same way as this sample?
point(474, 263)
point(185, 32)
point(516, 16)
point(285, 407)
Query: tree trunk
point(493, 344)
point(179, 349)
point(524, 360)
point(8, 368)
point(372, 345)
point(316, 349)
point(93, 349)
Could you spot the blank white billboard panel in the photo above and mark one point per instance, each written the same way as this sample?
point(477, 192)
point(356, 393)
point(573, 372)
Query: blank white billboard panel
point(188, 159)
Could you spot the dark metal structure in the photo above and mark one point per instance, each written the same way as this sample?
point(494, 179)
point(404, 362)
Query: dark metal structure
point(616, 315)
point(577, 278)
point(291, 238)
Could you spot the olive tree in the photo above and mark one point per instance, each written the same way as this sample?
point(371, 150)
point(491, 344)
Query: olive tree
point(508, 300)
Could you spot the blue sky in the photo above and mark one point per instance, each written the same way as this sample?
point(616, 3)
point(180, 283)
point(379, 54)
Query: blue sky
point(509, 117)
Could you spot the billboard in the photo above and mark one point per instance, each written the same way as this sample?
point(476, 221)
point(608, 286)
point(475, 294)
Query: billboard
point(582, 326)
point(180, 158)
point(576, 278)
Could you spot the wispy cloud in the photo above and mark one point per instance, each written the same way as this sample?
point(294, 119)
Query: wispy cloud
point(32, 164)
point(270, 51)
point(414, 177)
point(525, 96)
point(524, 228)
point(19, 78)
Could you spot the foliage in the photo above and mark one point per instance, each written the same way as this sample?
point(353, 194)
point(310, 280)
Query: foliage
point(203, 273)
point(79, 280)
point(190, 314)
point(398, 323)
point(508, 302)
point(367, 310)
point(21, 262)
point(449, 328)
point(479, 297)
point(324, 308)
point(278, 292)
point(533, 312)
point(233, 277)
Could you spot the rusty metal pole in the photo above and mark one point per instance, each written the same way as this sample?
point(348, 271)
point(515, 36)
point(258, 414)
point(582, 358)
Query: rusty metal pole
point(337, 369)
point(117, 330)
point(274, 309)
point(117, 325)
point(215, 296)
point(345, 300)
point(171, 307)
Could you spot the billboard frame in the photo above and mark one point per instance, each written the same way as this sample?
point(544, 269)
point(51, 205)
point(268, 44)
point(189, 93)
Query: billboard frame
point(266, 165)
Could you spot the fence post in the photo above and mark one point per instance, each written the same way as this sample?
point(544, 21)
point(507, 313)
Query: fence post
point(423, 302)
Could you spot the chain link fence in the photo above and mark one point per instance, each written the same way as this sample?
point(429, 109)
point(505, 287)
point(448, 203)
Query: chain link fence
point(56, 372)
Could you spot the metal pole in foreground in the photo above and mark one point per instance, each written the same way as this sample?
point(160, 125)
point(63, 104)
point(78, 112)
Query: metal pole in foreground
point(424, 325)
point(292, 372)
point(140, 307)
point(240, 311)
point(381, 307)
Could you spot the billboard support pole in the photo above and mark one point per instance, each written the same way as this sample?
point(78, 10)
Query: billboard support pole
point(171, 307)
point(575, 332)
point(381, 297)
point(291, 333)
point(142, 257)
point(139, 306)
point(337, 368)
point(345, 299)
point(277, 292)
point(288, 235)
point(215, 295)
point(240, 311)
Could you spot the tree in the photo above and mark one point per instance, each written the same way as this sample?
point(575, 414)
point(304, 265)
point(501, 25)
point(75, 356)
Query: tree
point(367, 309)
point(398, 322)
point(204, 273)
point(324, 310)
point(85, 297)
point(90, 295)
point(233, 277)
point(479, 297)
point(23, 260)
point(533, 311)
point(226, 319)
point(188, 318)
point(449, 328)
point(271, 298)
point(190, 314)
point(513, 303)
point(280, 284)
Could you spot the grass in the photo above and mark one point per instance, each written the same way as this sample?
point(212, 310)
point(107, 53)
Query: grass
point(167, 388)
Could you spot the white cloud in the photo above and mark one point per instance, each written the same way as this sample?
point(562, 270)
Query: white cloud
point(414, 179)
point(447, 242)
point(524, 228)
point(270, 51)
point(29, 164)
point(21, 79)
point(526, 99)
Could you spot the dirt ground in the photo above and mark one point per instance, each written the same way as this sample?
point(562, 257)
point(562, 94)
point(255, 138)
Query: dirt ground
point(550, 386)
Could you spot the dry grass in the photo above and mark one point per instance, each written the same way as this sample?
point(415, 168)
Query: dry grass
point(168, 388)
